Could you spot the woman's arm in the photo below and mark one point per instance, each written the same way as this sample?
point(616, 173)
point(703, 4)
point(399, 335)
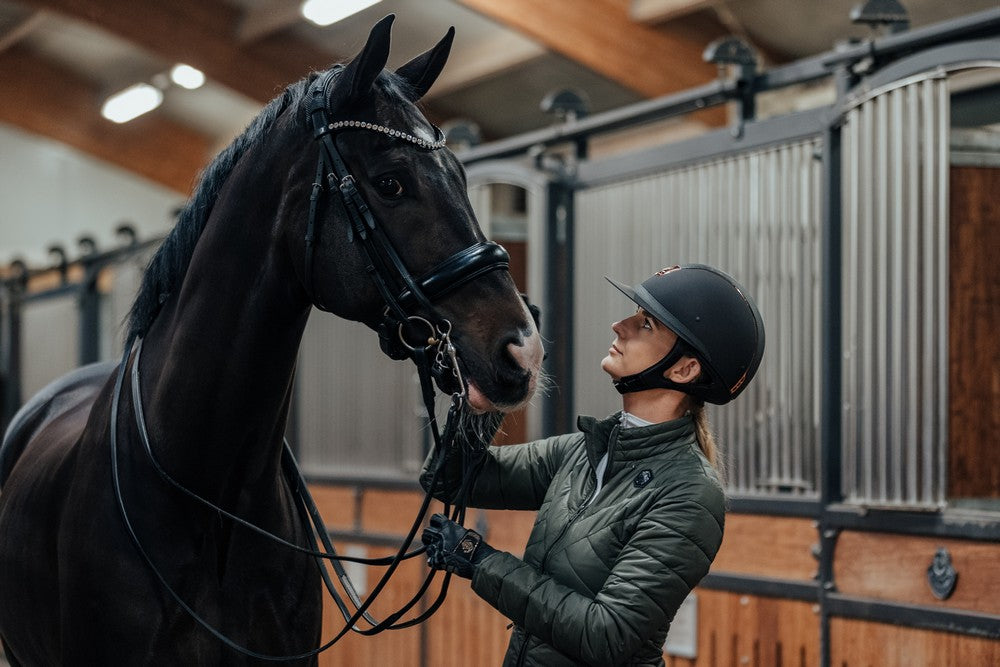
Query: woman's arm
point(669, 553)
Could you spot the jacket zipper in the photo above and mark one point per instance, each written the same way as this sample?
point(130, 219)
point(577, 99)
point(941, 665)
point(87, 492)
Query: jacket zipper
point(586, 503)
point(576, 515)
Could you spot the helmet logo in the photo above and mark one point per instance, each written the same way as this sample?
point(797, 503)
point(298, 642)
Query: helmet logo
point(663, 272)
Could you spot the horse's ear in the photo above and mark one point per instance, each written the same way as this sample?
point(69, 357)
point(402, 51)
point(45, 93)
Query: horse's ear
point(422, 71)
point(359, 74)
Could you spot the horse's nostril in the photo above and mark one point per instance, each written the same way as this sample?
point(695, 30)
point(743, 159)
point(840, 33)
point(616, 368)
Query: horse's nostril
point(524, 353)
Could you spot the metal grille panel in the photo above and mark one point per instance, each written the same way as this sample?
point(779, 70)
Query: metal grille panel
point(895, 326)
point(358, 411)
point(756, 215)
point(49, 341)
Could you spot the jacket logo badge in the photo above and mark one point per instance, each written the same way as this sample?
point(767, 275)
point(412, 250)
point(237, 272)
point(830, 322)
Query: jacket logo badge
point(643, 478)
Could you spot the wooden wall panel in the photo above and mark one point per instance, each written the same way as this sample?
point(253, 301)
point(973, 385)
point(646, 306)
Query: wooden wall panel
point(466, 631)
point(336, 504)
point(392, 647)
point(390, 512)
point(736, 629)
point(768, 546)
point(894, 567)
point(973, 344)
point(855, 643)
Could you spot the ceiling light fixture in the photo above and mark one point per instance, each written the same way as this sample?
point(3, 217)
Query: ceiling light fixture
point(186, 76)
point(132, 103)
point(325, 12)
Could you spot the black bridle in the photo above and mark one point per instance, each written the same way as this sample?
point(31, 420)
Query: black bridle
point(434, 354)
point(403, 294)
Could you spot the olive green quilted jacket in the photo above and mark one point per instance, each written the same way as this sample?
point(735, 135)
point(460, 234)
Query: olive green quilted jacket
point(601, 578)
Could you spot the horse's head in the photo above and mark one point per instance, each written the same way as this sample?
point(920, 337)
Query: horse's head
point(406, 243)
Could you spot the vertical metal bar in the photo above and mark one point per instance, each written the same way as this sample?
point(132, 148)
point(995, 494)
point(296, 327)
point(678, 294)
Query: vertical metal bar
point(912, 292)
point(818, 272)
point(942, 245)
point(731, 229)
point(851, 412)
point(897, 450)
point(758, 258)
point(865, 249)
point(740, 422)
point(772, 305)
point(12, 389)
point(880, 191)
point(927, 306)
point(781, 193)
point(790, 228)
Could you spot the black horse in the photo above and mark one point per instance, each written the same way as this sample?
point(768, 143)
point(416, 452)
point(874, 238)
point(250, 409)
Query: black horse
point(220, 315)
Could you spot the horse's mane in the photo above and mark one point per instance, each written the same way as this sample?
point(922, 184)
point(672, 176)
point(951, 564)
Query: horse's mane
point(167, 267)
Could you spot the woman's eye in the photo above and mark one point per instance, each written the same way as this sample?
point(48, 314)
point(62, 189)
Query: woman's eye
point(646, 324)
point(389, 186)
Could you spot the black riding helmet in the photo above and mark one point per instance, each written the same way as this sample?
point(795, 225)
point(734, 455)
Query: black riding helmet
point(716, 322)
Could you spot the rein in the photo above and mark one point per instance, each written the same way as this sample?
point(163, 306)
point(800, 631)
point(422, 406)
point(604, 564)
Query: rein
point(433, 354)
point(310, 516)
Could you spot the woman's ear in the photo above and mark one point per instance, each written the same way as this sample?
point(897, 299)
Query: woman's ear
point(687, 369)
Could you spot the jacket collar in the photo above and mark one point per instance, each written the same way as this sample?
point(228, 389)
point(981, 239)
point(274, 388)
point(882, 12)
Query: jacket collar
point(634, 443)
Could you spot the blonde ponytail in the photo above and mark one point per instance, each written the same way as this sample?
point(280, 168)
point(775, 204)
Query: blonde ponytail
point(706, 439)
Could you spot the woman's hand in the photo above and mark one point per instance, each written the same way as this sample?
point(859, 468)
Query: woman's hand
point(453, 548)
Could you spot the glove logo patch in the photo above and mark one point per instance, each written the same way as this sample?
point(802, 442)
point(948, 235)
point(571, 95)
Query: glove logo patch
point(643, 478)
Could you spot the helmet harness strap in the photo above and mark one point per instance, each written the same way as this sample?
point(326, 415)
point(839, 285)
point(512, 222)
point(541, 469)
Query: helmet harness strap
point(653, 378)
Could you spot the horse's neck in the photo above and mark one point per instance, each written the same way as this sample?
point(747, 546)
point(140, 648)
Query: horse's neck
point(217, 366)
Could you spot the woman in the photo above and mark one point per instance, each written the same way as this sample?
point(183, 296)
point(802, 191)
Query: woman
point(630, 510)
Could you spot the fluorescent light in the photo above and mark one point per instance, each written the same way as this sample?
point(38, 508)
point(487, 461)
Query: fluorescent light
point(325, 12)
point(131, 103)
point(186, 76)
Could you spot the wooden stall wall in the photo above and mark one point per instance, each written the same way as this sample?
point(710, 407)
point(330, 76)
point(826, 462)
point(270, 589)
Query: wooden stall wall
point(894, 568)
point(973, 323)
point(464, 631)
point(736, 629)
point(855, 643)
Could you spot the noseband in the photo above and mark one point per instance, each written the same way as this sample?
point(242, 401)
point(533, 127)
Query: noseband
point(400, 328)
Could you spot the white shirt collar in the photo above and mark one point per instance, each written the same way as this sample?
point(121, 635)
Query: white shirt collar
point(629, 420)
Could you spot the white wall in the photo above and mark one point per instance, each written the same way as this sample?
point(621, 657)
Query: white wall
point(50, 193)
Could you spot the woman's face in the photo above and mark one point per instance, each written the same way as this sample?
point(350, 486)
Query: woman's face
point(640, 341)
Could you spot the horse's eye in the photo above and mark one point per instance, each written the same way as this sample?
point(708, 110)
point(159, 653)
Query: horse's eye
point(389, 186)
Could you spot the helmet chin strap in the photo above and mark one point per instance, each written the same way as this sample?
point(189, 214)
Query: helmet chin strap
point(652, 377)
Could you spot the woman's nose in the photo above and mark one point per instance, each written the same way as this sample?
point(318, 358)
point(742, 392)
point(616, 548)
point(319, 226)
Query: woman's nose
point(618, 327)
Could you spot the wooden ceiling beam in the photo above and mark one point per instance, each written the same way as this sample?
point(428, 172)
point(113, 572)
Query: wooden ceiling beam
point(658, 11)
point(600, 35)
point(204, 34)
point(48, 100)
point(21, 29)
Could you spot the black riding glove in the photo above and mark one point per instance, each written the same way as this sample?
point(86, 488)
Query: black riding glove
point(452, 548)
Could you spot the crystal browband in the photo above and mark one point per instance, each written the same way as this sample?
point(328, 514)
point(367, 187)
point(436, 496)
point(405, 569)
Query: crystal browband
point(399, 134)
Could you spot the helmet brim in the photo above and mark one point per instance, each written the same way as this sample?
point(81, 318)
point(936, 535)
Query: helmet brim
point(643, 299)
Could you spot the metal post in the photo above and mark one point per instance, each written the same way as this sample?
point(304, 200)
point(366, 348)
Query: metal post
point(90, 316)
point(830, 419)
point(557, 411)
point(12, 362)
